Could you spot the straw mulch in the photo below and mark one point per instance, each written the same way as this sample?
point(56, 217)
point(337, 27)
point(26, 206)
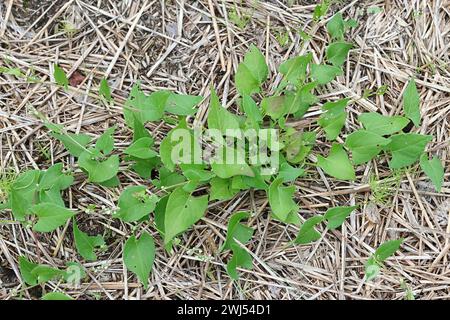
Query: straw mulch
point(185, 46)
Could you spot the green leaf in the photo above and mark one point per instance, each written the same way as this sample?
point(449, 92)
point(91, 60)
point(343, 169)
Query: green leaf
point(60, 77)
point(141, 149)
point(294, 69)
point(53, 178)
point(434, 170)
point(135, 203)
point(241, 258)
point(105, 143)
point(55, 296)
point(104, 90)
point(237, 231)
point(221, 189)
point(365, 145)
point(251, 110)
point(99, 171)
point(226, 168)
point(411, 102)
point(23, 193)
point(299, 145)
point(307, 232)
point(372, 269)
point(406, 148)
point(50, 216)
point(86, 244)
point(333, 119)
point(281, 200)
point(303, 99)
point(139, 255)
point(144, 107)
point(181, 104)
point(337, 53)
point(252, 72)
point(25, 268)
point(289, 173)
point(74, 143)
point(387, 249)
point(139, 130)
point(382, 125)
point(336, 26)
point(179, 146)
point(324, 73)
point(182, 211)
point(220, 118)
point(196, 172)
point(274, 106)
point(337, 163)
point(336, 216)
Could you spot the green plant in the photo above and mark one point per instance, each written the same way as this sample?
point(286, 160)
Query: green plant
point(375, 262)
point(177, 202)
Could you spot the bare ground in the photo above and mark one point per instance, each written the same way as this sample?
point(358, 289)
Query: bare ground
point(185, 46)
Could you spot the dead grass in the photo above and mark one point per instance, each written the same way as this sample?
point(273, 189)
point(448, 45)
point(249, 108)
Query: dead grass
point(185, 46)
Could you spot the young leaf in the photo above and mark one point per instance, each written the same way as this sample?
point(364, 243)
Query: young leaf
point(182, 211)
point(294, 69)
point(387, 249)
point(324, 73)
point(307, 232)
point(252, 72)
point(433, 169)
point(50, 216)
point(139, 255)
point(99, 171)
point(337, 53)
point(336, 216)
point(181, 104)
point(104, 90)
point(365, 145)
point(336, 26)
point(56, 296)
point(372, 269)
point(382, 125)
point(86, 244)
point(333, 119)
point(406, 148)
point(337, 163)
point(135, 203)
point(141, 149)
point(60, 77)
point(411, 102)
point(218, 117)
point(281, 199)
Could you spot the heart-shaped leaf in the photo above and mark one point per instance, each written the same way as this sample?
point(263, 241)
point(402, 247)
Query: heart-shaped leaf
point(337, 163)
point(139, 255)
point(51, 216)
